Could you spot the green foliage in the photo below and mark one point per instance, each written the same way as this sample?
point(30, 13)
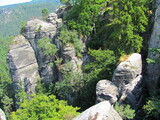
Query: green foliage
point(127, 19)
point(116, 25)
point(154, 51)
point(79, 88)
point(71, 37)
point(45, 12)
point(72, 82)
point(84, 14)
point(43, 107)
point(103, 62)
point(5, 80)
point(152, 108)
point(39, 29)
point(47, 47)
point(23, 24)
point(125, 111)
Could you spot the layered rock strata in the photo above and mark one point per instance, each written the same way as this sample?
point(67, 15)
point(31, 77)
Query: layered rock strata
point(23, 65)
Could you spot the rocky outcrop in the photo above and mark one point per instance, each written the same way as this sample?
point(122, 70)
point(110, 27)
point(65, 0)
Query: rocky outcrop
point(101, 111)
point(2, 115)
point(127, 77)
point(23, 65)
point(126, 85)
point(69, 55)
point(37, 29)
point(128, 70)
point(106, 90)
point(152, 79)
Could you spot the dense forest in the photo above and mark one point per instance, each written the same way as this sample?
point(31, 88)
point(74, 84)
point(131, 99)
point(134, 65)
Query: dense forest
point(112, 30)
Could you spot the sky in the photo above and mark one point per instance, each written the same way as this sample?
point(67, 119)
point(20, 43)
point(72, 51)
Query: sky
point(9, 2)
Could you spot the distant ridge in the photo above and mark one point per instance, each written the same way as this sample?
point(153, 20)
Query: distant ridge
point(56, 2)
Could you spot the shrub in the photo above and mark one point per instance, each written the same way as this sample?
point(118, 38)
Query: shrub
point(43, 107)
point(125, 111)
point(47, 47)
point(152, 108)
point(71, 36)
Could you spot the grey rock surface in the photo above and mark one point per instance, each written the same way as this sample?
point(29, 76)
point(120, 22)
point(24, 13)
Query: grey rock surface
point(106, 90)
point(2, 115)
point(101, 111)
point(69, 55)
point(37, 29)
point(128, 79)
point(152, 79)
point(133, 93)
point(23, 65)
point(128, 70)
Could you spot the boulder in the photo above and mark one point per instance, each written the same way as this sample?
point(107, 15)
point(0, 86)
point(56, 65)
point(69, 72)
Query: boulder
point(100, 111)
point(106, 90)
point(127, 77)
point(2, 115)
point(128, 70)
point(152, 78)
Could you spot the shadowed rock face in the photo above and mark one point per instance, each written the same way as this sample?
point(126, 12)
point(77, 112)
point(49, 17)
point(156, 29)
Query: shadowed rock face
point(128, 79)
point(101, 111)
point(152, 79)
point(106, 90)
point(23, 65)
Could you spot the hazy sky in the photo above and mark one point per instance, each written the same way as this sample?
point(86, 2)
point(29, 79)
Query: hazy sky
point(9, 2)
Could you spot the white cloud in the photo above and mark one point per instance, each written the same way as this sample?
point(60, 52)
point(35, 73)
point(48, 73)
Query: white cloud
point(9, 2)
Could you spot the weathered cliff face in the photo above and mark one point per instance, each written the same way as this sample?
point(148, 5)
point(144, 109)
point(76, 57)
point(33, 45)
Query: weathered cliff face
point(37, 29)
point(25, 54)
point(152, 79)
point(101, 111)
point(126, 83)
point(23, 65)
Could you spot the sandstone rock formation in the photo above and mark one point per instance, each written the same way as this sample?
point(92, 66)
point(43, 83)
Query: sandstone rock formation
point(69, 55)
point(126, 85)
point(101, 111)
point(153, 75)
point(37, 29)
point(106, 90)
point(23, 65)
point(128, 79)
point(2, 115)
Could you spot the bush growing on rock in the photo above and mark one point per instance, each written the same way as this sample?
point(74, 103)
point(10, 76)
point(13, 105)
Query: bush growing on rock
point(47, 47)
point(71, 37)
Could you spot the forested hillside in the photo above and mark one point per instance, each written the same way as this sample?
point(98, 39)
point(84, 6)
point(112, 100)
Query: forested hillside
point(12, 17)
